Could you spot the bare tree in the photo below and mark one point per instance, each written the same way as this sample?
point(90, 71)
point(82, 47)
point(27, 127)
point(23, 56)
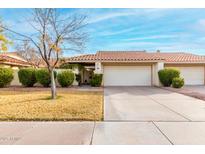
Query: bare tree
point(29, 54)
point(55, 33)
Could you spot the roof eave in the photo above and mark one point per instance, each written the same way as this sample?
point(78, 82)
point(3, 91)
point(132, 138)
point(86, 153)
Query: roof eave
point(14, 64)
point(113, 61)
point(184, 62)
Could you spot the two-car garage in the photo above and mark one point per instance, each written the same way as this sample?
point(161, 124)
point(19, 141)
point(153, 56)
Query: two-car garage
point(142, 75)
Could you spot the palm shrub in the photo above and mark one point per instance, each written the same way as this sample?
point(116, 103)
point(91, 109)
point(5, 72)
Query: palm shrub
point(6, 76)
point(96, 80)
point(43, 77)
point(166, 76)
point(65, 78)
point(178, 82)
point(27, 77)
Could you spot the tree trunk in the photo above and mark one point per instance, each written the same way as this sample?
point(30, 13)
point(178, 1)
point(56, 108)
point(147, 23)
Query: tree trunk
point(53, 85)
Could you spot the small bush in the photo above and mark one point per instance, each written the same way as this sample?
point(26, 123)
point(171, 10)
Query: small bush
point(27, 77)
point(65, 78)
point(178, 82)
point(43, 77)
point(6, 76)
point(166, 76)
point(78, 79)
point(96, 80)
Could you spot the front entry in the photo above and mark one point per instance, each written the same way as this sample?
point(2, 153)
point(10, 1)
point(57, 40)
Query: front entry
point(87, 75)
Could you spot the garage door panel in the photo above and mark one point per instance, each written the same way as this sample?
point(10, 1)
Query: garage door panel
point(192, 75)
point(127, 75)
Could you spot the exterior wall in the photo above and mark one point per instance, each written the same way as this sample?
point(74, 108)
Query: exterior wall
point(4, 66)
point(15, 81)
point(98, 68)
point(155, 69)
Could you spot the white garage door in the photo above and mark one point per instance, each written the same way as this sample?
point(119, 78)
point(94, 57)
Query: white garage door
point(127, 75)
point(192, 75)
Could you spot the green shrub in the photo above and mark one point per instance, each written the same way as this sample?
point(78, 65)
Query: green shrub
point(166, 76)
point(78, 79)
point(65, 78)
point(43, 77)
point(178, 82)
point(27, 77)
point(6, 76)
point(96, 80)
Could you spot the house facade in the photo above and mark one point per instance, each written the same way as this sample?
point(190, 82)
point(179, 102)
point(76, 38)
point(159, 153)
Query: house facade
point(140, 68)
point(15, 61)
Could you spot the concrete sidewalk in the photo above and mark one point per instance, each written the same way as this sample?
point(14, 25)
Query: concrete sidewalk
point(148, 133)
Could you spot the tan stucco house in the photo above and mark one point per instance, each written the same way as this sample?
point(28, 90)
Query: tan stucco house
point(140, 68)
point(15, 61)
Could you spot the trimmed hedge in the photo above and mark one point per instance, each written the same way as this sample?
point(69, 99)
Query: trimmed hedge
point(27, 77)
point(166, 76)
point(65, 78)
point(178, 82)
point(6, 76)
point(43, 77)
point(96, 80)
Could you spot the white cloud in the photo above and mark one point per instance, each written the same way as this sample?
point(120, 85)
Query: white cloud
point(148, 13)
point(131, 45)
point(111, 33)
point(199, 25)
point(107, 16)
point(202, 22)
point(151, 37)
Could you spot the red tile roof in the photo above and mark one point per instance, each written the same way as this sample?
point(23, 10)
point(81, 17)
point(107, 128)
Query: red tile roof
point(138, 56)
point(10, 60)
point(182, 58)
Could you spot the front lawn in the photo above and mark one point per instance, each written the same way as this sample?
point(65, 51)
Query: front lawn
point(37, 105)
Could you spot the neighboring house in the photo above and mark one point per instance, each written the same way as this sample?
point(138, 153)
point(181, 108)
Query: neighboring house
point(15, 61)
point(140, 68)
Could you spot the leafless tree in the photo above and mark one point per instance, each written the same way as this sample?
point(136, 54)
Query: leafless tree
point(29, 54)
point(55, 33)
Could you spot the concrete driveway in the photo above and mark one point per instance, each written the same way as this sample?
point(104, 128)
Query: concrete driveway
point(151, 104)
point(133, 115)
point(196, 89)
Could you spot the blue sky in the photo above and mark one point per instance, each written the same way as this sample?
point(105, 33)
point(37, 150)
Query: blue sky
point(168, 30)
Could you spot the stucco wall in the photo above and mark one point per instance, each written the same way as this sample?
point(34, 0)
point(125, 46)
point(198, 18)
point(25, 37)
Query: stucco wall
point(155, 69)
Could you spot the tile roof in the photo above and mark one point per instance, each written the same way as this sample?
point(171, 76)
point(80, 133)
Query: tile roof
point(138, 56)
point(10, 60)
point(182, 58)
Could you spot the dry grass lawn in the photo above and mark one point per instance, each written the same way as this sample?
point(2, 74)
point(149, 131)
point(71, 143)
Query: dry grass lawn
point(70, 105)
